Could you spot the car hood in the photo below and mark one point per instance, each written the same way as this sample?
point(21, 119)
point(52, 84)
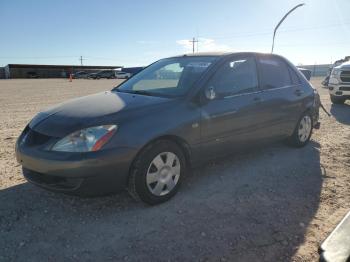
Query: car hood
point(97, 109)
point(345, 65)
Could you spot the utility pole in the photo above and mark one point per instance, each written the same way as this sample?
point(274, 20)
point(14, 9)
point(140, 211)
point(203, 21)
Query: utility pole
point(280, 22)
point(81, 60)
point(315, 68)
point(194, 41)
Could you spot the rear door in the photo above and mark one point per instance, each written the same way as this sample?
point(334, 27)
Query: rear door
point(282, 96)
point(231, 117)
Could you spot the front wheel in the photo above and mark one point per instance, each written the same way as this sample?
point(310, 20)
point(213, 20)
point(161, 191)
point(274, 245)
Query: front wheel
point(337, 100)
point(157, 172)
point(303, 131)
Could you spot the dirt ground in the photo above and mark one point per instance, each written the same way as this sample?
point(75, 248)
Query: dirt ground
point(272, 204)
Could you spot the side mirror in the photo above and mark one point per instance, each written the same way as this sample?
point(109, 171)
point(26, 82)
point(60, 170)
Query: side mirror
point(210, 93)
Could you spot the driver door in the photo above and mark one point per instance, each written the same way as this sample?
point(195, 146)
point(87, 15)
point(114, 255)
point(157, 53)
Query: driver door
point(230, 117)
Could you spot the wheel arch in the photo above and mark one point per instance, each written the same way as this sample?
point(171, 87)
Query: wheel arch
point(180, 142)
point(312, 107)
point(309, 110)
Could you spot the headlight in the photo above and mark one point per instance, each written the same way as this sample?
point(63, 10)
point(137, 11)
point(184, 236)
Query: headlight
point(86, 140)
point(335, 72)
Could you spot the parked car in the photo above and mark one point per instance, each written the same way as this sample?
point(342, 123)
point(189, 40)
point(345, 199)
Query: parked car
point(337, 63)
point(92, 76)
point(339, 83)
point(80, 75)
point(32, 75)
point(122, 75)
point(305, 72)
point(109, 74)
point(145, 133)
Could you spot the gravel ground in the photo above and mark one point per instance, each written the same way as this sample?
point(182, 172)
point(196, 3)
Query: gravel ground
point(272, 204)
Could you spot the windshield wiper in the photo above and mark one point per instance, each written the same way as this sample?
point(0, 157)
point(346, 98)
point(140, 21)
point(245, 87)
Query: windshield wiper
point(137, 92)
point(143, 92)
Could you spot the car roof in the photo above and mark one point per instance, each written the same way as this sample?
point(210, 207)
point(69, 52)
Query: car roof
point(204, 54)
point(224, 54)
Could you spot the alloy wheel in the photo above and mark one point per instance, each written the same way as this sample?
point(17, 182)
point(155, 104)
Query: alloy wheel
point(163, 173)
point(304, 128)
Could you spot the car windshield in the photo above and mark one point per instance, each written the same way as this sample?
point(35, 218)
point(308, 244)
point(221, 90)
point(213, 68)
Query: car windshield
point(168, 77)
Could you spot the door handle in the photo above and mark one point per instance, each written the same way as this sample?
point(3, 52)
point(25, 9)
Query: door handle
point(299, 92)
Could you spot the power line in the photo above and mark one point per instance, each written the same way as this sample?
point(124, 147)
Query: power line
point(34, 57)
point(315, 44)
point(101, 58)
point(196, 40)
point(55, 57)
point(268, 32)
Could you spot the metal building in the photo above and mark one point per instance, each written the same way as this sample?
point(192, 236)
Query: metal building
point(2, 72)
point(318, 70)
point(49, 71)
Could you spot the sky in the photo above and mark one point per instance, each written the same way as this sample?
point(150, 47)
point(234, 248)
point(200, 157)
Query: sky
point(136, 33)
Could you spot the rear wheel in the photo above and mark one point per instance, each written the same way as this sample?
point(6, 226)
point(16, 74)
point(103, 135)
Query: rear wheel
point(303, 131)
point(337, 100)
point(157, 172)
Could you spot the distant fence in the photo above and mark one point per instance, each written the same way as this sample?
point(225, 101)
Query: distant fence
point(317, 70)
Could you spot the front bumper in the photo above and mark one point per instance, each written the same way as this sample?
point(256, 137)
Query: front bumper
point(84, 174)
point(340, 89)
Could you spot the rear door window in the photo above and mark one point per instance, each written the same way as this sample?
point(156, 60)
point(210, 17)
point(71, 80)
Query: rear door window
point(294, 76)
point(274, 73)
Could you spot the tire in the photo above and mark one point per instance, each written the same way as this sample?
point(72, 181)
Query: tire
point(154, 185)
point(302, 132)
point(337, 100)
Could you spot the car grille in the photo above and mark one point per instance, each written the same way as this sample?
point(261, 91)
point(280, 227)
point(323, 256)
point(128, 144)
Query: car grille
point(53, 182)
point(34, 138)
point(345, 76)
point(344, 88)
